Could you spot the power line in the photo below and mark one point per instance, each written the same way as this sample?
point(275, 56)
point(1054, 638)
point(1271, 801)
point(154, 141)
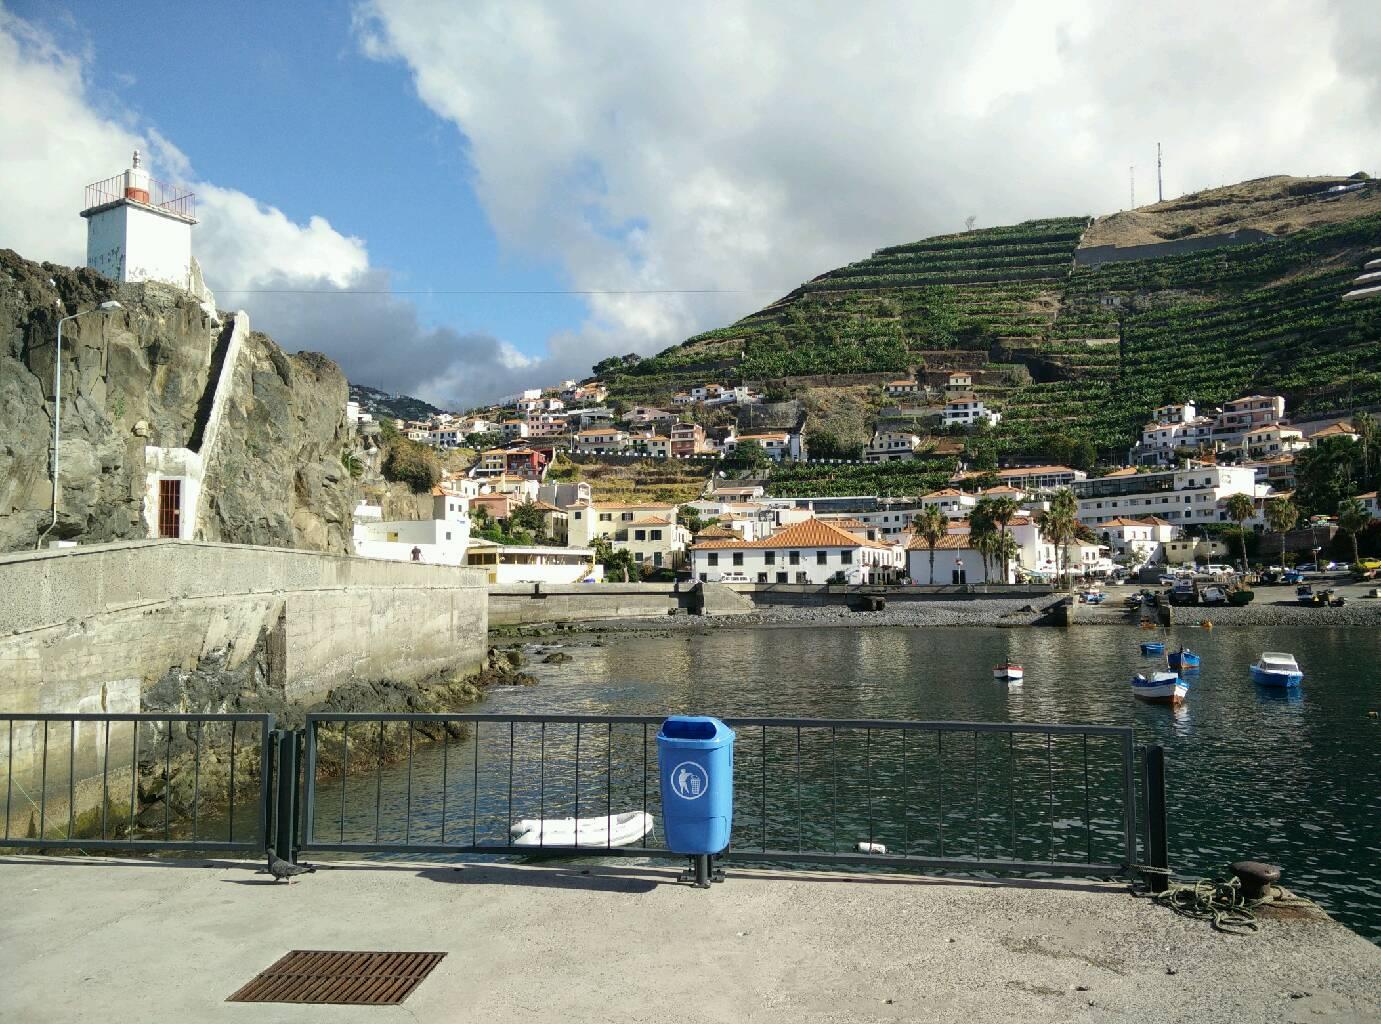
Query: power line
point(551, 291)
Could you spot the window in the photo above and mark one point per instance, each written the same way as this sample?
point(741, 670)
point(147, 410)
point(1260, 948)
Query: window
point(795, 558)
point(640, 535)
point(577, 515)
point(714, 558)
point(846, 557)
point(627, 517)
point(448, 534)
point(738, 557)
point(605, 517)
point(762, 577)
point(821, 557)
point(781, 577)
point(770, 558)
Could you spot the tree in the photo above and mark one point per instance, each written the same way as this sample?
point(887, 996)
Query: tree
point(411, 463)
point(983, 530)
point(825, 444)
point(1002, 511)
point(1353, 518)
point(1281, 516)
point(527, 516)
point(932, 526)
point(689, 517)
point(749, 456)
point(1326, 474)
point(1240, 508)
point(1059, 525)
point(617, 562)
point(1367, 429)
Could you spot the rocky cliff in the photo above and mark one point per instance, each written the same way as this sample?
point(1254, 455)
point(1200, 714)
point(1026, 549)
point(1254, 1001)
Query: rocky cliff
point(143, 376)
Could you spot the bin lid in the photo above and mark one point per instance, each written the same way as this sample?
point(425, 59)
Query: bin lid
point(694, 731)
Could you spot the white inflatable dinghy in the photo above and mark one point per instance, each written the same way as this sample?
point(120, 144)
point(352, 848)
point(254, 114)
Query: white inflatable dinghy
point(614, 830)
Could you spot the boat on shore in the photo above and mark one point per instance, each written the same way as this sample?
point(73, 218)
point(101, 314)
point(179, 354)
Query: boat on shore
point(610, 830)
point(1276, 668)
point(1184, 660)
point(1160, 688)
point(1008, 672)
point(1153, 647)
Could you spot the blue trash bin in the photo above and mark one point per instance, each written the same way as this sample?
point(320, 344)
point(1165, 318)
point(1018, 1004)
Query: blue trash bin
point(695, 755)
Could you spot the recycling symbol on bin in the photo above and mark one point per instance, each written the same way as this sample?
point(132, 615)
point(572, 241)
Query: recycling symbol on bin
point(689, 780)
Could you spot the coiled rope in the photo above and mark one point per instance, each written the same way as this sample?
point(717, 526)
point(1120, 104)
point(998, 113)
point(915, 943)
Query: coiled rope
point(1221, 903)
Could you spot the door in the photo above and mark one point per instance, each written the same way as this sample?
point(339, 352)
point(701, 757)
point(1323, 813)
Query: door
point(170, 508)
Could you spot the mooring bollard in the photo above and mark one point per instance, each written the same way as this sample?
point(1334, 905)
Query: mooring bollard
point(1255, 878)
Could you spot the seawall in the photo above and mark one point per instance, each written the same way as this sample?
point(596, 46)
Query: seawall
point(96, 628)
point(526, 603)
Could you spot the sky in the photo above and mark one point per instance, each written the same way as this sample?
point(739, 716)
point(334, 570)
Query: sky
point(457, 200)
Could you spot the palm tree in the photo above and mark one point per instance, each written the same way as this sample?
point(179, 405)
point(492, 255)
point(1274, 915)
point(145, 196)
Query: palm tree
point(1353, 518)
point(1365, 425)
point(933, 526)
point(1281, 516)
point(981, 526)
point(1059, 523)
point(987, 544)
point(1002, 511)
point(1007, 550)
point(1240, 508)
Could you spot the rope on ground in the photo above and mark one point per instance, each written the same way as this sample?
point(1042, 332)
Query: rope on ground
point(1221, 902)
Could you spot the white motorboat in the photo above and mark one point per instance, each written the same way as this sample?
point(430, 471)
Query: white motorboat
point(1008, 672)
point(1276, 668)
point(611, 830)
point(1160, 688)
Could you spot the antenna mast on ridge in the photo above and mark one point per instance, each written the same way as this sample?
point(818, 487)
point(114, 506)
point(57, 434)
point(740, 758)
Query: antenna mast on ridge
point(1160, 192)
point(1131, 175)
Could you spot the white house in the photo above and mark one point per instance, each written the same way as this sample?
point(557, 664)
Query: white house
point(900, 388)
point(956, 562)
point(601, 441)
point(1370, 503)
point(891, 446)
point(952, 502)
point(964, 409)
point(812, 551)
point(1138, 540)
point(1197, 494)
point(512, 563)
point(441, 540)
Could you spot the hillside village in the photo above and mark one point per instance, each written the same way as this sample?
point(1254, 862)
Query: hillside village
point(995, 377)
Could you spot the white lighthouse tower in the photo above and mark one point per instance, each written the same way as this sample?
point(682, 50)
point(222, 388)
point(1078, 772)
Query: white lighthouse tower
point(138, 229)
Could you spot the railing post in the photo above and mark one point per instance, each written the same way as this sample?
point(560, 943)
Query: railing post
point(1157, 851)
point(285, 815)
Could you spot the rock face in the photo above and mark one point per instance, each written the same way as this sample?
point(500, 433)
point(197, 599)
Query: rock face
point(139, 376)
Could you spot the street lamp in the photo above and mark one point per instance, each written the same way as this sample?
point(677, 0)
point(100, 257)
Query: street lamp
point(104, 307)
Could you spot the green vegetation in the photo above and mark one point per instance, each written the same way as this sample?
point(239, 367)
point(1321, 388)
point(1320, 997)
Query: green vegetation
point(411, 463)
point(888, 480)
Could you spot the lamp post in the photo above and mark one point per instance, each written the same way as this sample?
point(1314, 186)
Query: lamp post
point(104, 307)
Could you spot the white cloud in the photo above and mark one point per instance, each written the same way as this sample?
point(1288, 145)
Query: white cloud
point(751, 146)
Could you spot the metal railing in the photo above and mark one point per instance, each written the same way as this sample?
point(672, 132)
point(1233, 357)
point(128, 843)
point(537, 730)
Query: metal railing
point(1056, 799)
point(162, 195)
point(136, 782)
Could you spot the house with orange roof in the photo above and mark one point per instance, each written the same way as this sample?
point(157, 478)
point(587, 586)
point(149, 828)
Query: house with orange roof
point(891, 446)
point(951, 501)
point(1139, 541)
point(956, 562)
point(812, 551)
point(601, 441)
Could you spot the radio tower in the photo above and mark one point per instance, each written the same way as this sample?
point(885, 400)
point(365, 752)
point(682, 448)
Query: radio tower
point(1160, 193)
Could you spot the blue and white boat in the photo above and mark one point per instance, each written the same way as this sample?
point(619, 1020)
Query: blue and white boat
point(1184, 660)
point(1160, 688)
point(1275, 668)
point(1153, 647)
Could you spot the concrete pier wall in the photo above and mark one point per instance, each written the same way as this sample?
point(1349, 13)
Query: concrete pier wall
point(93, 628)
point(522, 603)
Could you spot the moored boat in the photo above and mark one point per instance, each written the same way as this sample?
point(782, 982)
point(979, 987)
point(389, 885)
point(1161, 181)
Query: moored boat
point(1159, 688)
point(1183, 660)
point(1153, 647)
point(611, 830)
point(1304, 594)
point(1008, 672)
point(1276, 668)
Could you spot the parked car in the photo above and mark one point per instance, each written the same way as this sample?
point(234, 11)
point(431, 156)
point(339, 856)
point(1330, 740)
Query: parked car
point(1217, 568)
point(1307, 567)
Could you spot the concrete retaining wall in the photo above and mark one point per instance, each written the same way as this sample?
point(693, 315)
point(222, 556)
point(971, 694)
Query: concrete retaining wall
point(518, 604)
point(816, 595)
point(91, 628)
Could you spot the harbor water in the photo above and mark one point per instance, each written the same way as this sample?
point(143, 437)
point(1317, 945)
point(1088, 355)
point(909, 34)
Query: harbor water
point(1292, 778)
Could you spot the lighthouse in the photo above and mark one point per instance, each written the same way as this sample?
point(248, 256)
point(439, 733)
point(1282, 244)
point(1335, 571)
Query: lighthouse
point(139, 229)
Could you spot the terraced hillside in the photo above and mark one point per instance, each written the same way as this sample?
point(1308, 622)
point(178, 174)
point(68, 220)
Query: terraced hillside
point(1068, 355)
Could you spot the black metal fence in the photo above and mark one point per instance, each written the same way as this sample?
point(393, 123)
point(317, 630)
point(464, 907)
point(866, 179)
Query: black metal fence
point(967, 796)
point(136, 782)
point(958, 795)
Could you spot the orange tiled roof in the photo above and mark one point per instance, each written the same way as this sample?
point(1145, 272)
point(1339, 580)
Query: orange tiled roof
point(651, 521)
point(810, 533)
point(950, 542)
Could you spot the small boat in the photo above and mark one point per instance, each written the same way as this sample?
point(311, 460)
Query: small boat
point(1159, 688)
point(613, 830)
point(1008, 672)
point(1153, 647)
point(1184, 660)
point(1093, 597)
point(1214, 595)
point(1304, 594)
point(1275, 668)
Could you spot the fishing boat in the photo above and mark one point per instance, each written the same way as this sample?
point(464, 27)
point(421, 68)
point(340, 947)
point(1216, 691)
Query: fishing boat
point(1276, 668)
point(1304, 594)
point(1153, 647)
point(610, 830)
point(1159, 688)
point(1008, 672)
point(1184, 660)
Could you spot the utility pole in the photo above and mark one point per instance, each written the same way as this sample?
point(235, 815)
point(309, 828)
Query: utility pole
point(1160, 192)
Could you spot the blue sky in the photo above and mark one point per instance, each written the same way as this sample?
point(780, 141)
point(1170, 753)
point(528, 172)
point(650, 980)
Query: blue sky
point(372, 152)
point(328, 132)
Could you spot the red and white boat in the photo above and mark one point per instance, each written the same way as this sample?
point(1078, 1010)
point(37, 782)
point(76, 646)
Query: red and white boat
point(1008, 672)
point(1160, 688)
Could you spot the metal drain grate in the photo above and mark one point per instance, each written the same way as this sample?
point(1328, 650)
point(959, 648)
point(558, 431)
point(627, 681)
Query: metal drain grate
point(339, 977)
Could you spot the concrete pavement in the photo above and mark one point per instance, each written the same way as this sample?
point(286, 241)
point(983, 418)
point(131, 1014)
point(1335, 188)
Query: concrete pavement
point(85, 940)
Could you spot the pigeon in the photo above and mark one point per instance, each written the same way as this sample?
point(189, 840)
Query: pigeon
point(280, 868)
